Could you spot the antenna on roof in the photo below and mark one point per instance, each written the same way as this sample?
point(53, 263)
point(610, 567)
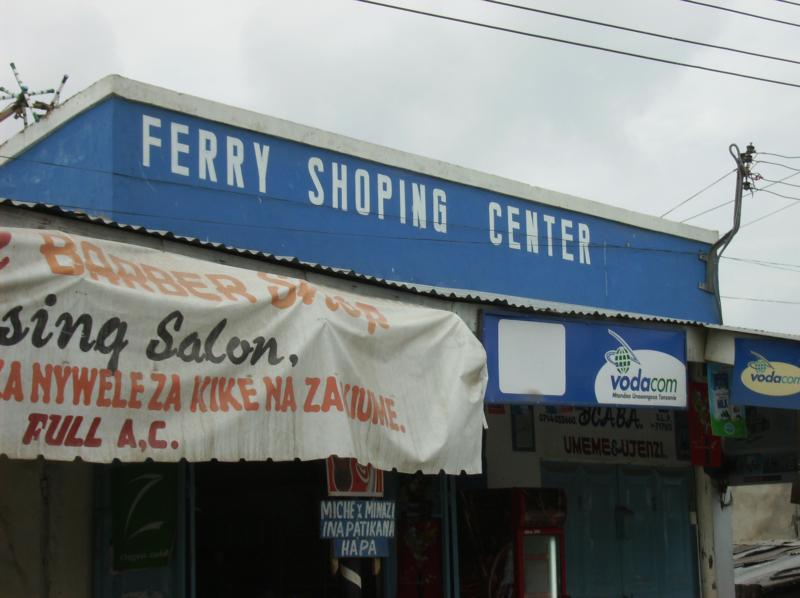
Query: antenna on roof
point(23, 103)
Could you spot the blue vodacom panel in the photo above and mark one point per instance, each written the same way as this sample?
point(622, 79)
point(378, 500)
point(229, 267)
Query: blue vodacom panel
point(766, 373)
point(144, 165)
point(564, 362)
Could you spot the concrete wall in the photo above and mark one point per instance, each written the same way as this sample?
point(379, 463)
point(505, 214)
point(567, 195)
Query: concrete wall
point(763, 512)
point(45, 529)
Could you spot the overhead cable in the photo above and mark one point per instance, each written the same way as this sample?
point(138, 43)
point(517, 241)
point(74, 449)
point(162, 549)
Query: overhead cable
point(640, 31)
point(760, 300)
point(776, 182)
point(579, 44)
point(716, 207)
point(795, 202)
point(764, 189)
point(706, 188)
point(778, 156)
point(777, 164)
point(740, 12)
point(730, 201)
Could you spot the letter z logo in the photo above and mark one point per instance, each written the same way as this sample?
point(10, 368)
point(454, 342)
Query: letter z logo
point(5, 239)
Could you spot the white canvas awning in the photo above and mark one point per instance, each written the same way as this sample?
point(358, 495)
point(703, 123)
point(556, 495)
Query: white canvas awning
point(114, 351)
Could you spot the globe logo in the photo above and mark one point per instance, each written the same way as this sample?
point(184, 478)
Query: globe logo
point(760, 365)
point(620, 359)
point(623, 356)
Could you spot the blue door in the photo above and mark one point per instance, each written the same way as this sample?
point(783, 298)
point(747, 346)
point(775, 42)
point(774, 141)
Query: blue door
point(627, 532)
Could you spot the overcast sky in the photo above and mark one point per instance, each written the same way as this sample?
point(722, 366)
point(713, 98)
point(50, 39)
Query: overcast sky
point(619, 130)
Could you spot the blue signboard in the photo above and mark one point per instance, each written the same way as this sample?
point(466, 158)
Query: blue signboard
point(145, 165)
point(359, 528)
point(766, 373)
point(562, 362)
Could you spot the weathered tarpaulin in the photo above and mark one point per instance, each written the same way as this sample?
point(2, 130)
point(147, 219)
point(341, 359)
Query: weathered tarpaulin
point(110, 350)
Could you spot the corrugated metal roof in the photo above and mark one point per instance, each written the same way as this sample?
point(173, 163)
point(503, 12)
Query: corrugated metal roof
point(428, 290)
point(767, 567)
point(448, 294)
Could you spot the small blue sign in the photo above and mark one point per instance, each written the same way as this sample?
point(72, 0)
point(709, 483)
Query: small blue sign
point(361, 547)
point(766, 373)
point(359, 528)
point(562, 362)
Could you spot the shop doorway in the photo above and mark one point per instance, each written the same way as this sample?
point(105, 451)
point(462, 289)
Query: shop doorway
point(628, 531)
point(216, 530)
point(257, 530)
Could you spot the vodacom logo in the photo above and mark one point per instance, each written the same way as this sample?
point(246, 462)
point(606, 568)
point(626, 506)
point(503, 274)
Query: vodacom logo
point(773, 378)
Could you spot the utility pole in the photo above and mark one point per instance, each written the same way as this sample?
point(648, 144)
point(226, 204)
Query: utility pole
point(744, 160)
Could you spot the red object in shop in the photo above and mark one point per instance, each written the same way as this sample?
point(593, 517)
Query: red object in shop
point(705, 448)
point(549, 565)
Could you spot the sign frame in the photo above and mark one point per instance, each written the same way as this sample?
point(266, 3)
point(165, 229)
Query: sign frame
point(595, 345)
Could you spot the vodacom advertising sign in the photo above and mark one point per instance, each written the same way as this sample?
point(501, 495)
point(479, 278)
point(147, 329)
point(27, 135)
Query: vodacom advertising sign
point(766, 373)
point(110, 350)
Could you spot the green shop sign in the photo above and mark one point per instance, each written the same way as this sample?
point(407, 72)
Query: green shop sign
point(144, 512)
point(727, 420)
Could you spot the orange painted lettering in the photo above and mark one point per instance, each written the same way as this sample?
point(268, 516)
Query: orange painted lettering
point(41, 382)
point(62, 374)
point(374, 317)
point(285, 294)
point(332, 398)
point(36, 424)
point(226, 394)
point(173, 400)
point(130, 274)
point(197, 397)
point(61, 258)
point(126, 436)
point(163, 281)
point(248, 392)
point(193, 283)
point(313, 385)
point(136, 390)
point(153, 438)
point(161, 381)
point(230, 287)
point(99, 268)
point(13, 389)
point(83, 385)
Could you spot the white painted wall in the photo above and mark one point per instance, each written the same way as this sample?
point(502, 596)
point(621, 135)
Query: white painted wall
point(763, 512)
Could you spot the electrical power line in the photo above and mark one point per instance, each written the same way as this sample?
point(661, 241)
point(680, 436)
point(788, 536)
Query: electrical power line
point(767, 215)
point(759, 300)
point(766, 264)
point(740, 12)
point(776, 182)
point(777, 164)
point(640, 31)
point(716, 207)
point(765, 190)
point(706, 188)
point(786, 178)
point(788, 2)
point(578, 44)
point(779, 156)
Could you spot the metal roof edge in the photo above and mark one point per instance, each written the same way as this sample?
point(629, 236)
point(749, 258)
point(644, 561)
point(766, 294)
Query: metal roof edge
point(63, 113)
point(136, 91)
point(752, 332)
